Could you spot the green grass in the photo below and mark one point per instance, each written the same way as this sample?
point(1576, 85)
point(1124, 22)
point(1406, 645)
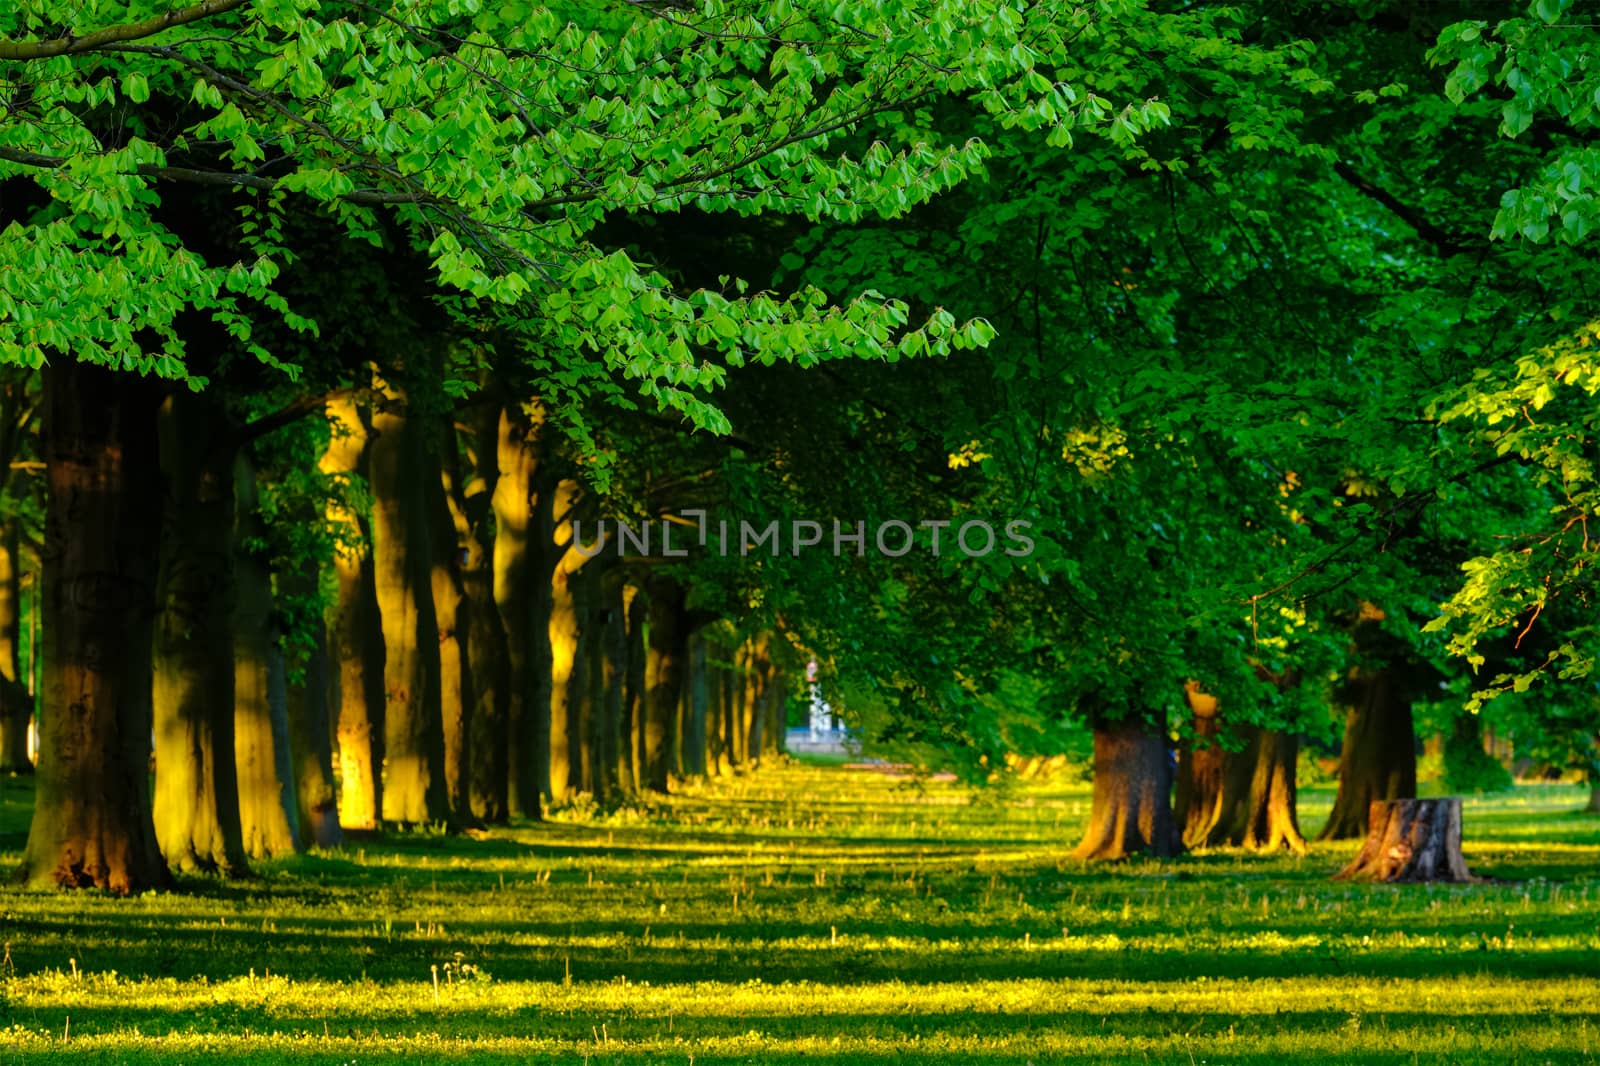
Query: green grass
point(823, 914)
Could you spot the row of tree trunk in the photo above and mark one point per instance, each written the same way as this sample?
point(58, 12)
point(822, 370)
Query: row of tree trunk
point(1234, 786)
point(474, 665)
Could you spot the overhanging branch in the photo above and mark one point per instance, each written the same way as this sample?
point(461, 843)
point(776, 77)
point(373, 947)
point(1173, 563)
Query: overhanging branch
point(1444, 241)
point(71, 44)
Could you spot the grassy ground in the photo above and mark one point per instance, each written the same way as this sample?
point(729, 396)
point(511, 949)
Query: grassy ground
point(823, 914)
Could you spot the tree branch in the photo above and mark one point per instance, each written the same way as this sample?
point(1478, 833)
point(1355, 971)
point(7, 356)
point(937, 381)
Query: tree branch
point(195, 176)
point(71, 44)
point(287, 414)
point(1445, 242)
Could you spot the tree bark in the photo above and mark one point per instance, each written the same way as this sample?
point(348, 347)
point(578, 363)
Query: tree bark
point(197, 785)
point(524, 561)
point(697, 710)
point(1378, 760)
point(1594, 798)
point(1130, 810)
point(1202, 771)
point(16, 703)
point(413, 729)
point(1411, 840)
point(565, 769)
point(1245, 798)
point(267, 815)
point(488, 655)
point(665, 659)
point(16, 698)
point(92, 824)
point(635, 613)
point(355, 634)
point(447, 541)
point(310, 725)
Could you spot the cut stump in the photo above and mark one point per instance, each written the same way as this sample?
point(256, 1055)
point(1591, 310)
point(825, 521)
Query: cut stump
point(1411, 840)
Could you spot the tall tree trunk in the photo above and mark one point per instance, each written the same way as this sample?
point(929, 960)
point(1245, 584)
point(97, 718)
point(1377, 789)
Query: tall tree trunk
point(612, 662)
point(16, 704)
point(488, 656)
point(1594, 797)
point(413, 729)
point(16, 697)
point(636, 612)
point(586, 688)
point(697, 711)
point(267, 815)
point(355, 634)
point(524, 559)
point(1130, 811)
point(565, 772)
point(776, 711)
point(92, 822)
point(756, 676)
point(455, 629)
point(1378, 760)
point(197, 787)
point(306, 709)
point(665, 656)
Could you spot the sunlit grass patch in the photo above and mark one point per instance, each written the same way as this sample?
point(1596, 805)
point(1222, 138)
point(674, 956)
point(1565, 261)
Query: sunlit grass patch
point(823, 914)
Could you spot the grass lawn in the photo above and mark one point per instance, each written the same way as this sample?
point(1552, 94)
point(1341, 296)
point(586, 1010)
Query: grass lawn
point(822, 914)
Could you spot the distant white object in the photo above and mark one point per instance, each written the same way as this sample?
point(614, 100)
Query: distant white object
point(33, 739)
point(823, 723)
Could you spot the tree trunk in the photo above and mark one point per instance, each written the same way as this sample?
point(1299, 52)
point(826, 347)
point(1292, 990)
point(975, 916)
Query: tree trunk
point(635, 613)
point(1263, 811)
point(1594, 798)
point(92, 824)
point(413, 729)
point(1202, 771)
point(1411, 840)
point(1244, 798)
point(197, 785)
point(16, 704)
point(267, 815)
point(306, 709)
point(613, 660)
point(488, 655)
point(447, 541)
point(586, 687)
point(664, 664)
point(524, 561)
point(1378, 760)
point(565, 773)
point(697, 711)
point(1130, 810)
point(355, 634)
point(16, 698)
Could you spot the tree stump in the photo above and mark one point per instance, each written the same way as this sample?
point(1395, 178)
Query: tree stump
point(1411, 840)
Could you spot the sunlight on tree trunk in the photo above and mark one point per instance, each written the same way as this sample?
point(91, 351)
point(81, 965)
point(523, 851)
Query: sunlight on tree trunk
point(197, 785)
point(455, 634)
point(1378, 760)
point(1411, 840)
point(636, 613)
point(563, 630)
point(355, 634)
point(267, 817)
point(1130, 809)
point(310, 727)
point(413, 730)
point(472, 511)
point(92, 824)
